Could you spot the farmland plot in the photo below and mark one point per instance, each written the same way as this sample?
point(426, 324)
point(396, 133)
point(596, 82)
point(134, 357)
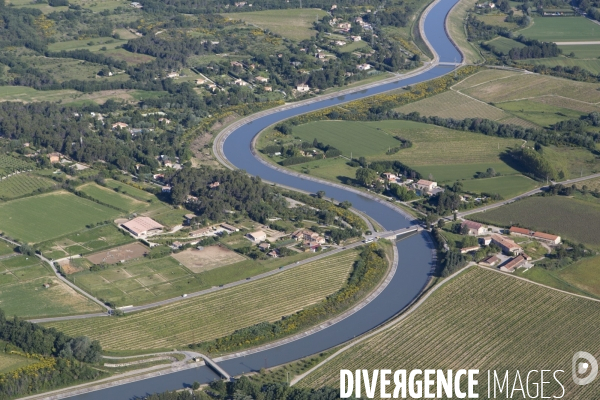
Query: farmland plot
point(22, 184)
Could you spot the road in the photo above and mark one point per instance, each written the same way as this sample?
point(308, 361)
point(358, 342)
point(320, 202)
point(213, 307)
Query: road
point(576, 43)
point(568, 182)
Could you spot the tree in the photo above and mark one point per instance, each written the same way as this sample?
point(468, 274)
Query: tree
point(321, 194)
point(345, 204)
point(366, 176)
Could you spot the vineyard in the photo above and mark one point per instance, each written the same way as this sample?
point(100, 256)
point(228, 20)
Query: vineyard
point(483, 320)
point(208, 316)
point(21, 185)
point(9, 164)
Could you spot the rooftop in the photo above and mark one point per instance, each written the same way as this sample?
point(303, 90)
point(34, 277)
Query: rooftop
point(142, 224)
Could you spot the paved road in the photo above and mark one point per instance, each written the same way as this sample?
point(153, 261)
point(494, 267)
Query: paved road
point(568, 182)
point(577, 43)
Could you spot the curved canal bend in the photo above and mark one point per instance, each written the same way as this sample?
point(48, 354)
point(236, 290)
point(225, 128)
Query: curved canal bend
point(415, 261)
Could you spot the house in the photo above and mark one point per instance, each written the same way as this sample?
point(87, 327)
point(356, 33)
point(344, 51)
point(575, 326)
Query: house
point(135, 4)
point(356, 38)
point(474, 228)
point(345, 25)
point(513, 264)
point(425, 185)
point(515, 230)
point(26, 144)
point(213, 185)
point(54, 157)
point(303, 88)
point(176, 245)
point(308, 236)
point(333, 7)
point(191, 199)
point(200, 81)
point(166, 121)
point(240, 4)
point(172, 75)
point(507, 245)
point(165, 189)
point(491, 261)
point(466, 250)
point(230, 228)
point(119, 125)
point(363, 67)
point(268, 89)
point(189, 218)
point(237, 64)
point(273, 254)
point(258, 236)
point(240, 82)
point(389, 176)
point(262, 79)
point(320, 56)
point(158, 177)
point(264, 246)
point(485, 241)
point(143, 226)
point(546, 237)
point(339, 43)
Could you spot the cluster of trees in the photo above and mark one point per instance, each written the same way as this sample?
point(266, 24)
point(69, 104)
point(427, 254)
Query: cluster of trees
point(365, 274)
point(534, 163)
point(534, 49)
point(449, 261)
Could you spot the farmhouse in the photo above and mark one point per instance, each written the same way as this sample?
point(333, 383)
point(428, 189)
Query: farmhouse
point(507, 245)
point(425, 185)
point(485, 241)
point(356, 38)
point(303, 88)
point(513, 264)
point(273, 254)
point(491, 261)
point(143, 226)
point(189, 218)
point(258, 236)
point(546, 237)
point(54, 157)
point(308, 235)
point(515, 230)
point(230, 228)
point(262, 79)
point(264, 246)
point(473, 228)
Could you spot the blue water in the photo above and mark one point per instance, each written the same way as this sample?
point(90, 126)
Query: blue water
point(415, 264)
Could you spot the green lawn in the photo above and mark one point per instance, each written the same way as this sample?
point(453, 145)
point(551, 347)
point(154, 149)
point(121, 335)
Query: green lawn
point(584, 274)
point(6, 248)
point(591, 65)
point(42, 217)
point(22, 292)
point(130, 190)
point(350, 47)
point(573, 219)
point(573, 161)
point(11, 362)
point(98, 43)
point(113, 198)
point(564, 29)
point(295, 24)
point(504, 44)
point(505, 186)
point(582, 51)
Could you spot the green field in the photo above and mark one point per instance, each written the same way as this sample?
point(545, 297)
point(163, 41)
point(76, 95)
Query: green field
point(129, 190)
point(46, 216)
point(504, 44)
point(539, 113)
point(6, 248)
point(295, 24)
point(85, 241)
point(98, 43)
point(208, 317)
point(572, 219)
point(482, 320)
point(582, 51)
point(28, 95)
point(11, 362)
point(22, 184)
point(591, 65)
point(22, 292)
point(584, 275)
point(9, 164)
point(565, 29)
point(505, 186)
point(573, 161)
point(111, 197)
point(355, 46)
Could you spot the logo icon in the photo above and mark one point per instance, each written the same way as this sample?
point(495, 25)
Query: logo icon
point(588, 367)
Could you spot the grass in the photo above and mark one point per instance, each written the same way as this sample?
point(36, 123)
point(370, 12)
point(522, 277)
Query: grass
point(295, 24)
point(487, 321)
point(111, 197)
point(22, 184)
point(9, 164)
point(504, 44)
point(29, 95)
point(6, 248)
point(539, 113)
point(354, 46)
point(85, 241)
point(573, 161)
point(11, 362)
point(584, 275)
point(505, 186)
point(98, 43)
point(43, 217)
point(22, 292)
point(573, 219)
point(206, 317)
point(565, 29)
point(455, 26)
point(591, 65)
point(130, 190)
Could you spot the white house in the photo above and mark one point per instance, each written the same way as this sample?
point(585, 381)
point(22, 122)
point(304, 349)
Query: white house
point(363, 67)
point(425, 185)
point(303, 88)
point(258, 236)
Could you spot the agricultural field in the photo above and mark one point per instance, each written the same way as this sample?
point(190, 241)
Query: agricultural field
point(590, 64)
point(574, 162)
point(504, 44)
point(505, 186)
point(565, 29)
point(295, 24)
point(208, 258)
point(541, 114)
point(50, 215)
point(84, 241)
point(6, 248)
point(129, 190)
point(119, 254)
point(11, 362)
point(95, 46)
point(9, 164)
point(22, 292)
point(113, 198)
point(64, 69)
point(66, 96)
point(22, 184)
point(452, 104)
point(462, 325)
point(203, 318)
point(570, 218)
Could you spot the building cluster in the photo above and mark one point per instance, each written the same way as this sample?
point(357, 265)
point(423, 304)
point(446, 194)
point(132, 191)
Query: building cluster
point(423, 186)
